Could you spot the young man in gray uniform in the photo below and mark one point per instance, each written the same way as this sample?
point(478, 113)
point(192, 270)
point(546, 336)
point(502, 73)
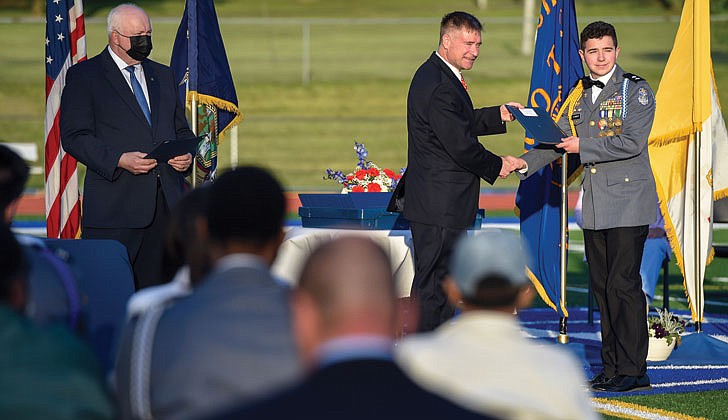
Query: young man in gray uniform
point(609, 115)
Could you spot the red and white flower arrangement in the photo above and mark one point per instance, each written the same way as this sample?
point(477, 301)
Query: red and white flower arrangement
point(367, 176)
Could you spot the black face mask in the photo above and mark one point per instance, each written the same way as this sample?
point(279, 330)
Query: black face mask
point(141, 46)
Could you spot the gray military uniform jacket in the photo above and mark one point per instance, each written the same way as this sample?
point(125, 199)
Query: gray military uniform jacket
point(619, 188)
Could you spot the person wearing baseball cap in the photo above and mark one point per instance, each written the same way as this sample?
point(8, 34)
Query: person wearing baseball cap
point(482, 360)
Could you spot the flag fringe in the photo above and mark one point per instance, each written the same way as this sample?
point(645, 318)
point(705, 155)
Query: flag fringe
point(676, 136)
point(542, 292)
point(678, 251)
point(576, 175)
point(720, 194)
point(671, 234)
point(203, 99)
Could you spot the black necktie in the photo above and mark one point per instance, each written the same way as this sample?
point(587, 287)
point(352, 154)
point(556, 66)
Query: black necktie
point(587, 82)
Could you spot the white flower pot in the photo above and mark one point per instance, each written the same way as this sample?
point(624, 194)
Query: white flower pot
point(658, 349)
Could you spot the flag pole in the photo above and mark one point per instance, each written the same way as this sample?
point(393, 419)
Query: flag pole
point(697, 258)
point(563, 335)
point(193, 121)
point(191, 9)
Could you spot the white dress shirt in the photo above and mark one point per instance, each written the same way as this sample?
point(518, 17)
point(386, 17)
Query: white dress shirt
point(138, 72)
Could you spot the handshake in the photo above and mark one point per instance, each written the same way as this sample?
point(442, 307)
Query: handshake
point(511, 164)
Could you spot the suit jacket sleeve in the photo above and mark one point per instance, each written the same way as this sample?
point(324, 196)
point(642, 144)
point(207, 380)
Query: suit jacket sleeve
point(448, 120)
point(77, 128)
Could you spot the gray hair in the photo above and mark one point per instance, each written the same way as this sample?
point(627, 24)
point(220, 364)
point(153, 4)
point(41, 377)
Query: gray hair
point(112, 21)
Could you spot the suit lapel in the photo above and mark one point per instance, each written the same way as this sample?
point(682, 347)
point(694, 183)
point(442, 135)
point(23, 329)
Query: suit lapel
point(457, 85)
point(153, 90)
point(116, 79)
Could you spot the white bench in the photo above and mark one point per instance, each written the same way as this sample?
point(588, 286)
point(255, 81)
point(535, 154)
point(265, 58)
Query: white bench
point(29, 153)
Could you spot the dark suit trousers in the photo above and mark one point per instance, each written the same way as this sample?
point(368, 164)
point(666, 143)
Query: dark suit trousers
point(433, 246)
point(144, 246)
point(614, 257)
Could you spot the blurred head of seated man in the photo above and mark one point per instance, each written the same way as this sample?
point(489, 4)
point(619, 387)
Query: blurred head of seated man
point(345, 296)
point(13, 175)
point(50, 287)
point(230, 340)
point(246, 214)
point(345, 319)
point(482, 360)
point(488, 273)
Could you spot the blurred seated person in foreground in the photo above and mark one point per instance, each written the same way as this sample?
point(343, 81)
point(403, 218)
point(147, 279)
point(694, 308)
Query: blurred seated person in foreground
point(345, 319)
point(13, 176)
point(230, 340)
point(52, 294)
point(482, 360)
point(186, 260)
point(656, 250)
point(47, 373)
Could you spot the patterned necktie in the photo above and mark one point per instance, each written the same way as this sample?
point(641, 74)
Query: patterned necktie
point(462, 82)
point(136, 87)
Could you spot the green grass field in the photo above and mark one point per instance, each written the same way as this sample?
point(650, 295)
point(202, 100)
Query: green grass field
point(360, 74)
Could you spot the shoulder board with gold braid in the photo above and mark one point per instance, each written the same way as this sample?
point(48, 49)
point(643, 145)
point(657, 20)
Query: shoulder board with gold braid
point(633, 77)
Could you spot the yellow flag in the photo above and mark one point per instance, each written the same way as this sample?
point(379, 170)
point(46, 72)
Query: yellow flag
point(688, 134)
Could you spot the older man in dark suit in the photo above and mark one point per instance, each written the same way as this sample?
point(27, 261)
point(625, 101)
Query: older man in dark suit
point(116, 108)
point(445, 159)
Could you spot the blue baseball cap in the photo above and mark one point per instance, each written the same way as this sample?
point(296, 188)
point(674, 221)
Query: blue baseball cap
point(487, 253)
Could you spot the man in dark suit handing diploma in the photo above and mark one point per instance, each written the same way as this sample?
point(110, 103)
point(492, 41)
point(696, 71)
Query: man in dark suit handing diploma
point(445, 159)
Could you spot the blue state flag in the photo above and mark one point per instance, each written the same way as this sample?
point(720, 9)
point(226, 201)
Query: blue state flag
point(203, 75)
point(556, 68)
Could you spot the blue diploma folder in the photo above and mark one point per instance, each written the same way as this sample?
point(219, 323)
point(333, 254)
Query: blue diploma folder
point(538, 123)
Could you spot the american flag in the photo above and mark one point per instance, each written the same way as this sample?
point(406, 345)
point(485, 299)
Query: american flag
point(65, 45)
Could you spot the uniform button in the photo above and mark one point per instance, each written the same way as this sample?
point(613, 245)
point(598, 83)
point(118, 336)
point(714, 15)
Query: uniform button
point(626, 179)
point(591, 123)
point(593, 170)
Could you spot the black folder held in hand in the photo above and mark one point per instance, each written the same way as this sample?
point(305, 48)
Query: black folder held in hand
point(538, 123)
point(173, 148)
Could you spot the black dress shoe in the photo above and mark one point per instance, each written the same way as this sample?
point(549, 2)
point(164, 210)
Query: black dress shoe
point(600, 379)
point(624, 383)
